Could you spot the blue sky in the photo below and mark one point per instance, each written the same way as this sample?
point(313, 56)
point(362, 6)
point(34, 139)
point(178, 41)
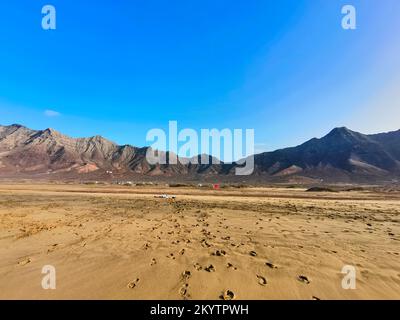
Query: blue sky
point(120, 68)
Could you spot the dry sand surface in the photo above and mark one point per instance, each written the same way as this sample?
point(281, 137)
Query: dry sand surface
point(111, 242)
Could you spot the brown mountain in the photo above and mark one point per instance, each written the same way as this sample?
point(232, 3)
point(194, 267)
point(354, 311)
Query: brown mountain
point(26, 152)
point(342, 155)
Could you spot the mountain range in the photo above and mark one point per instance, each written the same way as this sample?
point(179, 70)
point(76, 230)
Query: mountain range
point(342, 155)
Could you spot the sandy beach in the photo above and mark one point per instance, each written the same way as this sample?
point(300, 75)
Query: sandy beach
point(114, 242)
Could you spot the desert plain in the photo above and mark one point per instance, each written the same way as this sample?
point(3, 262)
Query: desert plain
point(126, 242)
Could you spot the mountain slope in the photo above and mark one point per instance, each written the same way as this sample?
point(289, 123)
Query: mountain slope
point(23, 151)
point(343, 150)
point(341, 155)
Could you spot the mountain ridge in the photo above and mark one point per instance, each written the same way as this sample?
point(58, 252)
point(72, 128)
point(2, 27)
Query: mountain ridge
point(342, 155)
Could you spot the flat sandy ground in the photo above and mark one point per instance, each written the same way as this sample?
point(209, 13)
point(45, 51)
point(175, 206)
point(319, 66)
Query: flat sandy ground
point(109, 242)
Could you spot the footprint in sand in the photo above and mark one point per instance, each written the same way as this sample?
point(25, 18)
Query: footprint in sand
point(271, 265)
point(261, 280)
point(303, 279)
point(25, 262)
point(210, 268)
point(171, 255)
point(230, 266)
point(186, 275)
point(52, 248)
point(133, 284)
point(153, 262)
point(228, 295)
point(205, 244)
point(183, 290)
point(182, 252)
point(197, 266)
point(219, 253)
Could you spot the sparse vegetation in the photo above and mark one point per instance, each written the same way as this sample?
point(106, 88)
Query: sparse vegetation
point(321, 189)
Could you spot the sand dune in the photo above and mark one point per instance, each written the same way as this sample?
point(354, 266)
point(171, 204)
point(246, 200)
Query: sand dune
point(263, 243)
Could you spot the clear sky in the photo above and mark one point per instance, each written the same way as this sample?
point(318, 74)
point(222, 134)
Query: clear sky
point(119, 68)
